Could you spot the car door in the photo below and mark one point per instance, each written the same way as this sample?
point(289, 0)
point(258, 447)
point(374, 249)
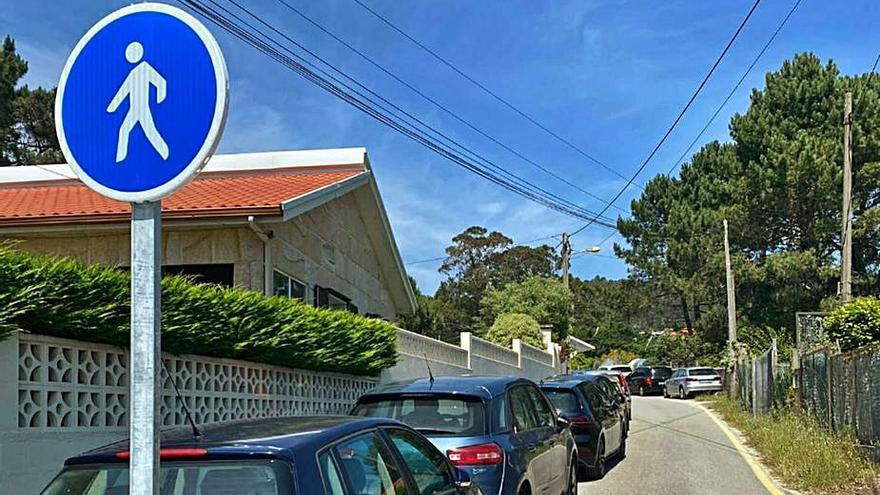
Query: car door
point(553, 438)
point(430, 471)
point(674, 381)
point(365, 465)
point(528, 450)
point(610, 413)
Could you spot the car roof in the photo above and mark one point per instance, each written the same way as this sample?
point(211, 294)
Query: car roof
point(278, 435)
point(570, 381)
point(484, 387)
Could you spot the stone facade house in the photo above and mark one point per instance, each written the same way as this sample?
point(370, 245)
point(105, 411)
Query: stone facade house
point(303, 224)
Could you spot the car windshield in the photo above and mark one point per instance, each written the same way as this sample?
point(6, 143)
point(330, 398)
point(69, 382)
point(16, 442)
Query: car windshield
point(702, 372)
point(430, 415)
point(661, 372)
point(180, 478)
point(563, 400)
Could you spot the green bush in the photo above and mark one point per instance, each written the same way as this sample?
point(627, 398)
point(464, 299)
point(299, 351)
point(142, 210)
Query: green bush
point(544, 299)
point(855, 324)
point(511, 326)
point(63, 298)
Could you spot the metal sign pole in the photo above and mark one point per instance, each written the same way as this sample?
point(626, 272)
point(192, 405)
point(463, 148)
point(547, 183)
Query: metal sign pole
point(144, 366)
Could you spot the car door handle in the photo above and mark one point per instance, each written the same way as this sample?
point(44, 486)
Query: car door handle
point(532, 447)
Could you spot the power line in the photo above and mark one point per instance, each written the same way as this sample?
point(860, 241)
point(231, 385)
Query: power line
point(680, 115)
point(440, 106)
point(739, 83)
point(874, 69)
point(489, 91)
point(365, 104)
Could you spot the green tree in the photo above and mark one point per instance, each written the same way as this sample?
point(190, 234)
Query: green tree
point(544, 299)
point(511, 326)
point(27, 122)
point(855, 324)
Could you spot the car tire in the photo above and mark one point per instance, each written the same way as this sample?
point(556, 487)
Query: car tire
point(681, 394)
point(641, 390)
point(665, 392)
point(597, 470)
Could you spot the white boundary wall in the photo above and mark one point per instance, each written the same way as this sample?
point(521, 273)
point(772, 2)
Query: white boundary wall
point(61, 397)
point(474, 356)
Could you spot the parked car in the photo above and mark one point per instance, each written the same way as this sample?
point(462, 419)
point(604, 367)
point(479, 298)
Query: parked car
point(646, 381)
point(598, 422)
point(503, 431)
point(316, 455)
point(685, 382)
point(617, 378)
point(624, 369)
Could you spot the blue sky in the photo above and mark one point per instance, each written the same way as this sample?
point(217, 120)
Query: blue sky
point(610, 76)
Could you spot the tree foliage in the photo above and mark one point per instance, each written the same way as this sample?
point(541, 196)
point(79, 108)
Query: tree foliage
point(855, 324)
point(27, 116)
point(545, 299)
point(778, 183)
point(511, 326)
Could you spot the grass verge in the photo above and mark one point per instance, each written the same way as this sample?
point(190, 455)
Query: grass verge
point(799, 452)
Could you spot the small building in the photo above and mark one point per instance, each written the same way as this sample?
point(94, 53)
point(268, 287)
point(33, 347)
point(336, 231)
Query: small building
point(308, 224)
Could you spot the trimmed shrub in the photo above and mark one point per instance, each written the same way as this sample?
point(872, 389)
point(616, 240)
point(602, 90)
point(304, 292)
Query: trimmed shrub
point(64, 298)
point(511, 326)
point(855, 324)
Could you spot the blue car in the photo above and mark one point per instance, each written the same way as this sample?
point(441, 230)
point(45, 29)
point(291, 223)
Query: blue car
point(502, 430)
point(301, 455)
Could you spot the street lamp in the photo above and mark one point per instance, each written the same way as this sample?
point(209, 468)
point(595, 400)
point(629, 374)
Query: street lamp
point(594, 249)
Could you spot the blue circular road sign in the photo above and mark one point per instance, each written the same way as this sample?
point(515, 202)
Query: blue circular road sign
point(141, 103)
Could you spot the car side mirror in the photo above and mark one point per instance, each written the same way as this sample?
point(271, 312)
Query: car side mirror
point(562, 422)
point(462, 478)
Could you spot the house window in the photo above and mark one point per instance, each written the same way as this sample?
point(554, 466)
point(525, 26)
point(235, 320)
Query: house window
point(287, 286)
point(329, 298)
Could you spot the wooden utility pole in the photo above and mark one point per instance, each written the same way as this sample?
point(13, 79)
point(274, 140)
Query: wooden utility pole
point(566, 254)
point(731, 295)
point(846, 233)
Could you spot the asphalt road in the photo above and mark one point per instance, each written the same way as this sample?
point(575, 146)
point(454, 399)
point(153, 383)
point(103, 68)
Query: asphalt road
point(675, 448)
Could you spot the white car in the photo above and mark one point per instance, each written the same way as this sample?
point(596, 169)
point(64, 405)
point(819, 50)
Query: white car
point(623, 369)
point(685, 382)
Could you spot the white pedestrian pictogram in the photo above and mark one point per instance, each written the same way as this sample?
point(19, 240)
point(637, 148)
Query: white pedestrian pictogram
point(136, 88)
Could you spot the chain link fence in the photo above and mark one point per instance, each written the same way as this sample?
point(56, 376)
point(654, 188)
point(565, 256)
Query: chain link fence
point(842, 391)
point(762, 383)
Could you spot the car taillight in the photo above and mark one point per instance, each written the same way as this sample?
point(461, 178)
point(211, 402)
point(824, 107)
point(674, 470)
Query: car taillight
point(169, 453)
point(623, 384)
point(580, 420)
point(693, 379)
point(476, 455)
point(648, 381)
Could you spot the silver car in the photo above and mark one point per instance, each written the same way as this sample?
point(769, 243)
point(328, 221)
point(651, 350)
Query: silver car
point(685, 382)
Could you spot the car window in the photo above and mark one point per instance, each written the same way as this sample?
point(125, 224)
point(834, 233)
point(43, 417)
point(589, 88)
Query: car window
point(427, 465)
point(546, 415)
point(661, 373)
point(330, 475)
point(203, 478)
point(521, 410)
point(595, 398)
point(563, 400)
point(702, 372)
point(369, 467)
point(432, 415)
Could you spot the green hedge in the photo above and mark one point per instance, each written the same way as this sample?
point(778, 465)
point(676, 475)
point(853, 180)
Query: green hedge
point(64, 298)
point(855, 324)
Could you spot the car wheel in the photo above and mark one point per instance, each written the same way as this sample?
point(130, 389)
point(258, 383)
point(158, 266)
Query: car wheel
point(641, 390)
point(681, 394)
point(572, 480)
point(597, 471)
point(665, 392)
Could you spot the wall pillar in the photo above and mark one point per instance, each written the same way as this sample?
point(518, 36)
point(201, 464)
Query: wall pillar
point(466, 345)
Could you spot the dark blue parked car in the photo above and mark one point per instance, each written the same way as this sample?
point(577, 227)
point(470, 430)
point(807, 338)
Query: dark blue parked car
point(502, 430)
point(303, 455)
point(598, 421)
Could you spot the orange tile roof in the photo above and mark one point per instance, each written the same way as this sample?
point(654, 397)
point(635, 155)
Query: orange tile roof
point(208, 196)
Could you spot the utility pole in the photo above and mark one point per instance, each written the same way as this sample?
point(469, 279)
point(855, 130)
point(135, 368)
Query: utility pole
point(731, 295)
point(566, 253)
point(846, 233)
